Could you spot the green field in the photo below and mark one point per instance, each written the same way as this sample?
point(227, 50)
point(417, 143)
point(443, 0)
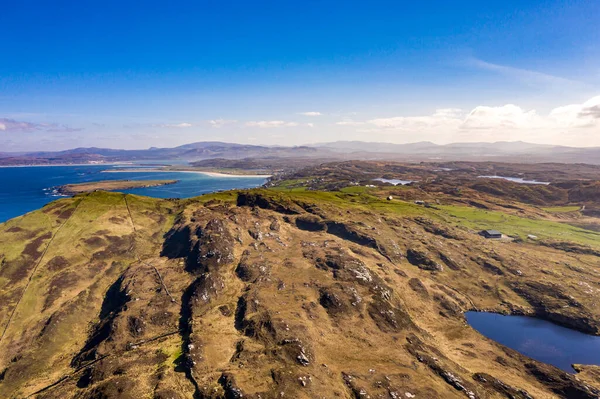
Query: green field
point(515, 226)
point(359, 198)
point(562, 209)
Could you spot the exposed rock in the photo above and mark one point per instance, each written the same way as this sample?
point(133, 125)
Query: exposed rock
point(501, 387)
point(310, 223)
point(551, 303)
point(437, 229)
point(422, 260)
point(570, 247)
point(347, 232)
point(561, 383)
point(282, 314)
point(213, 248)
point(448, 261)
point(232, 391)
point(389, 318)
point(271, 201)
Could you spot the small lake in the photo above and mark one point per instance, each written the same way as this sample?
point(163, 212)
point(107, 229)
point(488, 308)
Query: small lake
point(538, 339)
point(515, 179)
point(395, 182)
point(24, 189)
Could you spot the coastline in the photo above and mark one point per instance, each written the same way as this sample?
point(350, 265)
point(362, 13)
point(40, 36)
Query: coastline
point(138, 170)
point(109, 185)
point(66, 164)
point(212, 174)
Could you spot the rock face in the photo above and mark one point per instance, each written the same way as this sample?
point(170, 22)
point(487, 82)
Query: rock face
point(421, 259)
point(261, 295)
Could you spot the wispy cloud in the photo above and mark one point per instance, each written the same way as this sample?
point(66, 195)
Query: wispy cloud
point(13, 126)
point(524, 75)
point(270, 124)
point(311, 113)
point(182, 125)
point(568, 124)
point(219, 123)
point(349, 122)
point(507, 116)
point(591, 108)
point(445, 117)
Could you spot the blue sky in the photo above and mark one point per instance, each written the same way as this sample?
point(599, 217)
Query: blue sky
point(141, 74)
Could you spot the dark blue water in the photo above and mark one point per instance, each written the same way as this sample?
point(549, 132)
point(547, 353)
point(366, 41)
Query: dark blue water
point(24, 189)
point(538, 339)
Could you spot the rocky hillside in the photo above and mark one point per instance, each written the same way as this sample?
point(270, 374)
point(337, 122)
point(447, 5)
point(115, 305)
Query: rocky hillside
point(261, 294)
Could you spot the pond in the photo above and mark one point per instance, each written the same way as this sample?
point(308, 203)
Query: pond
point(516, 179)
point(538, 339)
point(395, 182)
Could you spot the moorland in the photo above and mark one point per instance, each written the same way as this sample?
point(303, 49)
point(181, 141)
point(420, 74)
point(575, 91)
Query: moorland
point(327, 282)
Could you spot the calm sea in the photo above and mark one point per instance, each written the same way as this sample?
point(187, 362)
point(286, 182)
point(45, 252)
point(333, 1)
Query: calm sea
point(24, 189)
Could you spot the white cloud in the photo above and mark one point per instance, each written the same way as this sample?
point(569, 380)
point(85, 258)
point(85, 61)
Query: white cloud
point(219, 123)
point(311, 113)
point(447, 117)
point(270, 124)
point(524, 75)
point(449, 113)
point(349, 122)
point(578, 115)
point(11, 126)
point(310, 124)
point(182, 125)
point(575, 124)
point(508, 116)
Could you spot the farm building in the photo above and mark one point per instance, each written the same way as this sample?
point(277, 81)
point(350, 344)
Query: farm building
point(491, 234)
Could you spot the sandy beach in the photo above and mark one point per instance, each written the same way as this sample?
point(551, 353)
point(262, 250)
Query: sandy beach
point(213, 174)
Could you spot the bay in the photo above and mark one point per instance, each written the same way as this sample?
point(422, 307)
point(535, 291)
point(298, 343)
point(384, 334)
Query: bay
point(25, 189)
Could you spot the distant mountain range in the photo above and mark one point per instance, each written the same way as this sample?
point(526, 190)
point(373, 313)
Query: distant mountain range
point(340, 150)
point(427, 147)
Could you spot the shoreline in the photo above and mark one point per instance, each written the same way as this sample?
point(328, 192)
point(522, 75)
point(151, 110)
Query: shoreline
point(66, 164)
point(212, 174)
point(109, 185)
point(137, 170)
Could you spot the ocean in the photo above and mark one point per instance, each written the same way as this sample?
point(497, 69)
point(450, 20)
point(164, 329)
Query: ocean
point(24, 189)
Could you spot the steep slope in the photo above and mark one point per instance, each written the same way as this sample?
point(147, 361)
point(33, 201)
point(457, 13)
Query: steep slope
point(263, 294)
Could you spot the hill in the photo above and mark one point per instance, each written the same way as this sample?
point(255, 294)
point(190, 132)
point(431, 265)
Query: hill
point(281, 293)
point(342, 150)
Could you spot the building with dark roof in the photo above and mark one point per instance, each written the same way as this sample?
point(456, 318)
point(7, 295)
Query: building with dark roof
point(491, 234)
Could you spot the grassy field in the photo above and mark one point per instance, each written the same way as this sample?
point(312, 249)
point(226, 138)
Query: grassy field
point(357, 198)
point(361, 199)
point(562, 209)
point(112, 185)
point(480, 219)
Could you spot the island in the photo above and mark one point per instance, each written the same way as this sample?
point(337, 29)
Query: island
point(110, 185)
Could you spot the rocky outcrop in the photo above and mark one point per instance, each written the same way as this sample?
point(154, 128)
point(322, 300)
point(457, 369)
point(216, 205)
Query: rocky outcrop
point(421, 259)
point(501, 387)
point(310, 223)
point(550, 302)
point(212, 247)
point(561, 383)
point(258, 301)
point(269, 201)
point(570, 247)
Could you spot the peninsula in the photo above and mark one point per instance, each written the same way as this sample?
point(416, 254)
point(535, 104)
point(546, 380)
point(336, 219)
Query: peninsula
point(110, 185)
